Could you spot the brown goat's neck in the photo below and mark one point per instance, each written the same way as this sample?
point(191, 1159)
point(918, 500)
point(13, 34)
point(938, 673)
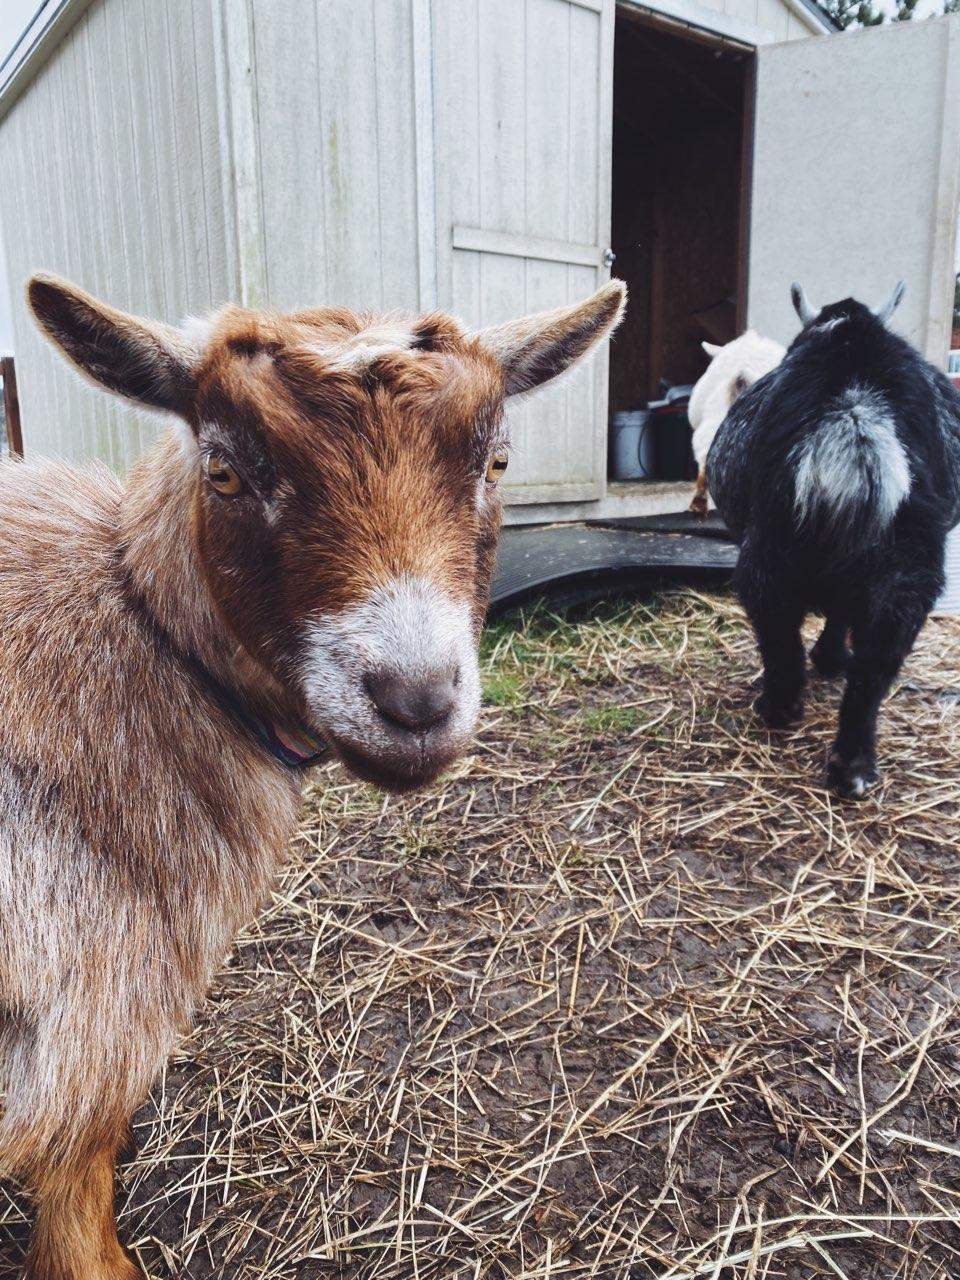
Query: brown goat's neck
point(164, 572)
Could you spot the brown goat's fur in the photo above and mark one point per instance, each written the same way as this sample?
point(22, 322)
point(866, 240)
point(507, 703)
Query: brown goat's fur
point(140, 822)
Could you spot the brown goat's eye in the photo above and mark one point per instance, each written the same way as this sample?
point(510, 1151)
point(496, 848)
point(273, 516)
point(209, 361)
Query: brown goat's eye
point(496, 466)
point(222, 476)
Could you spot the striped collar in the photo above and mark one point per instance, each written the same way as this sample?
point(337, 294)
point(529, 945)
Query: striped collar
point(295, 746)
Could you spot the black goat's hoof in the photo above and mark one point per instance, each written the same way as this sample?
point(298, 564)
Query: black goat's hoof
point(829, 663)
point(852, 779)
point(779, 715)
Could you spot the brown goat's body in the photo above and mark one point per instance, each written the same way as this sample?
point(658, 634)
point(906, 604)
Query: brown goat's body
point(139, 825)
point(310, 555)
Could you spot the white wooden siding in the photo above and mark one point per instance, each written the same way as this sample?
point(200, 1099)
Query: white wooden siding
point(949, 602)
point(172, 154)
point(751, 22)
point(112, 176)
point(336, 134)
point(771, 16)
point(523, 202)
point(848, 217)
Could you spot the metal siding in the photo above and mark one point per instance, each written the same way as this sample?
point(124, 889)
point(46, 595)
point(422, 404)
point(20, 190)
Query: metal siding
point(843, 216)
point(113, 178)
point(523, 122)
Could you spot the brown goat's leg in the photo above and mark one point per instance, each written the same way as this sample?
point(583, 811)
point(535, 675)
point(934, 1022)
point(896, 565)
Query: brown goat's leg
point(75, 1234)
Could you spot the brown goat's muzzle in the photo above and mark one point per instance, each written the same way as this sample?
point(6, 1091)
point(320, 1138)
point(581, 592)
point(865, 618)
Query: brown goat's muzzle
point(394, 683)
point(393, 772)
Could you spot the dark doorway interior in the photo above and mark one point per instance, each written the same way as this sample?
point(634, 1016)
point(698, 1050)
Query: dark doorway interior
point(679, 140)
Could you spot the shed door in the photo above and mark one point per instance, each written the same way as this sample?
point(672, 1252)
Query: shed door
point(522, 94)
point(856, 152)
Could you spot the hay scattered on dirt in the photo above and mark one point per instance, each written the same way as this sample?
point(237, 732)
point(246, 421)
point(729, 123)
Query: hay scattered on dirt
point(629, 996)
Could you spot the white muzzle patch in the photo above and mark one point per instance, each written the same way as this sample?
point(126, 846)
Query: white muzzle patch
point(409, 627)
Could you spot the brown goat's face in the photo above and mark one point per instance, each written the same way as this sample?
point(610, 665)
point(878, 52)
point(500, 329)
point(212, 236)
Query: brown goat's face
point(345, 495)
point(350, 546)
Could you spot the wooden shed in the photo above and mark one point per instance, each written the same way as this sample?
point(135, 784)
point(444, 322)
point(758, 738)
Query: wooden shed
point(484, 156)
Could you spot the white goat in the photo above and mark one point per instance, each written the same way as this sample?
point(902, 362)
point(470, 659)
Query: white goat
point(732, 369)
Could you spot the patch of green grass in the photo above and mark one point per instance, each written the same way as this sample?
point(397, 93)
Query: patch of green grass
point(561, 649)
point(554, 737)
point(414, 841)
point(610, 719)
point(503, 688)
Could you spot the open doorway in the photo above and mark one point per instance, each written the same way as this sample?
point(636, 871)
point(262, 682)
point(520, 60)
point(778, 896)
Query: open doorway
point(680, 140)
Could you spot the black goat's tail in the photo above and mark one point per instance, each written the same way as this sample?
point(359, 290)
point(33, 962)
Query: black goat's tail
point(851, 472)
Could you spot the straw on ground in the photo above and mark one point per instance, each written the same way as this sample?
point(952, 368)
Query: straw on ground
point(630, 995)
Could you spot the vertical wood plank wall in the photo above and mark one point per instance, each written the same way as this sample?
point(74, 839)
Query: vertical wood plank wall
point(770, 16)
point(112, 176)
point(520, 125)
point(376, 126)
point(337, 139)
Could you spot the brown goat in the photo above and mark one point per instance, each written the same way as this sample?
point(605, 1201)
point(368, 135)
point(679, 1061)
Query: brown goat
point(306, 556)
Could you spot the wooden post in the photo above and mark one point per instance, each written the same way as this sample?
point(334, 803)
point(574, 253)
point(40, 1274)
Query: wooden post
point(11, 406)
point(746, 190)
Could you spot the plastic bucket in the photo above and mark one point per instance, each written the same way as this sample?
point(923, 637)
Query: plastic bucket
point(632, 445)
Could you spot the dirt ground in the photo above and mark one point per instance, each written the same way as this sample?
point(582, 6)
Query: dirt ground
point(629, 996)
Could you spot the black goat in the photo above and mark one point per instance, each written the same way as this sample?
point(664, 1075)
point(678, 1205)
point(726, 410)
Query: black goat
point(839, 473)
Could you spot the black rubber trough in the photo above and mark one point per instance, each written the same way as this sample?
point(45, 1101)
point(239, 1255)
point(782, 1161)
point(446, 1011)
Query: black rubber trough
point(578, 562)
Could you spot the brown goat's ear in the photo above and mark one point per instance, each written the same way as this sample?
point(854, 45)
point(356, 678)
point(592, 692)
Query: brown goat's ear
point(144, 360)
point(537, 348)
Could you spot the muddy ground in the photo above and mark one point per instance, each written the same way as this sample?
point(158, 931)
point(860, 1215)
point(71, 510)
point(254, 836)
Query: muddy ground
point(627, 996)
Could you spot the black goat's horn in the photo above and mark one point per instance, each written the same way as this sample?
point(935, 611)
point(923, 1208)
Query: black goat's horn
point(884, 313)
point(801, 304)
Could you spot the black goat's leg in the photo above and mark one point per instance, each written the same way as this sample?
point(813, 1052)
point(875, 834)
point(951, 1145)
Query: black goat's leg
point(830, 655)
point(776, 621)
point(879, 648)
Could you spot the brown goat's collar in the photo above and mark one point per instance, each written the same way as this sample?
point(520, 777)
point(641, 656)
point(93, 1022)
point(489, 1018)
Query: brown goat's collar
point(295, 746)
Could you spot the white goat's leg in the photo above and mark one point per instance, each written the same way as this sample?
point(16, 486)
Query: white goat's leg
point(698, 504)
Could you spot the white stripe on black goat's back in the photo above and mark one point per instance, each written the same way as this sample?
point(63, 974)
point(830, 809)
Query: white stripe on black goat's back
point(851, 472)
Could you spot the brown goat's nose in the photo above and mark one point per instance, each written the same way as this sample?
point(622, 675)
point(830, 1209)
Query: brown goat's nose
point(415, 704)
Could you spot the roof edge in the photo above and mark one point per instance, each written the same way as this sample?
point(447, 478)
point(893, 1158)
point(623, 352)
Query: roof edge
point(811, 13)
point(44, 32)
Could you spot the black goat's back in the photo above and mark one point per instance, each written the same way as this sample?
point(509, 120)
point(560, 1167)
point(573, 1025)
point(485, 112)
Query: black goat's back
point(854, 439)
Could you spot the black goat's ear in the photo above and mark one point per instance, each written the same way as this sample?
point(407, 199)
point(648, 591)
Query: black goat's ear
point(884, 313)
point(151, 363)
